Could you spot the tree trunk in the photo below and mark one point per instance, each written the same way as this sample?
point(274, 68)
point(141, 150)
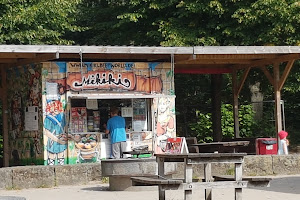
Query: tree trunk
point(216, 83)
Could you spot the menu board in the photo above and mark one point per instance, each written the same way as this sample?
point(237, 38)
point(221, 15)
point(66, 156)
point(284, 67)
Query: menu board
point(176, 145)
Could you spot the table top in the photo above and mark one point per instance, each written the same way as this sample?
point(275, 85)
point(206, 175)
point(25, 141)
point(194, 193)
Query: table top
point(233, 143)
point(199, 155)
point(202, 158)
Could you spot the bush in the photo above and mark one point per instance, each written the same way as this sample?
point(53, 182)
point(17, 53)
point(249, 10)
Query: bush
point(202, 129)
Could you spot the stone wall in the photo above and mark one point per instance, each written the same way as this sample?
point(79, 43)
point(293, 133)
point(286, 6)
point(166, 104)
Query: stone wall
point(254, 165)
point(50, 176)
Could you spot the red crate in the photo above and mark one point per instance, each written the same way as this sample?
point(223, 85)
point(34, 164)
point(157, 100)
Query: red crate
point(266, 146)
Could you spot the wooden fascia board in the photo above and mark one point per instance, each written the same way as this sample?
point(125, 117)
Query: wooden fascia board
point(116, 56)
point(215, 61)
point(237, 59)
point(17, 55)
point(285, 74)
point(37, 59)
point(234, 56)
point(278, 59)
point(8, 60)
point(193, 66)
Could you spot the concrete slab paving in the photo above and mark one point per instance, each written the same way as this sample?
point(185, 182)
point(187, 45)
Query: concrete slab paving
point(282, 188)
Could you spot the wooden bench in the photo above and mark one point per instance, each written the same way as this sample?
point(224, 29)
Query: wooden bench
point(252, 181)
point(163, 183)
point(120, 182)
point(154, 181)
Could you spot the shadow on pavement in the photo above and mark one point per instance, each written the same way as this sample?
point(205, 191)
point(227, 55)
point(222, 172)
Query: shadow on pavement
point(96, 188)
point(289, 185)
point(284, 185)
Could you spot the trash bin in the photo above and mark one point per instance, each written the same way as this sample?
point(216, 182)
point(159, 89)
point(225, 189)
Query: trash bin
point(266, 146)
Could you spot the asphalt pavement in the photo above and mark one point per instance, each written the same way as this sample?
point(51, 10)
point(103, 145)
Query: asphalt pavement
point(281, 188)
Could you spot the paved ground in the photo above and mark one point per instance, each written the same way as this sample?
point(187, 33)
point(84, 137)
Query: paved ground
point(282, 188)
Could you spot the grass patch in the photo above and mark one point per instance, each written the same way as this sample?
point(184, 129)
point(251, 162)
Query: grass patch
point(12, 188)
point(230, 171)
point(105, 179)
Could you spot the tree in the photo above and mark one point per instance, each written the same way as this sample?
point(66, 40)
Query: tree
point(192, 23)
point(270, 22)
point(37, 21)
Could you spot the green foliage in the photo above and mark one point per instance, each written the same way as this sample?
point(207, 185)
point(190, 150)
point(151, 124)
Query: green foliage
point(270, 22)
point(37, 22)
point(189, 23)
point(192, 23)
point(202, 129)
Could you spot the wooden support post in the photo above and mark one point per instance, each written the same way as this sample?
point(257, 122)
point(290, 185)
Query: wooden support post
point(268, 75)
point(238, 177)
point(216, 83)
point(285, 74)
point(208, 178)
point(235, 104)
point(161, 173)
point(188, 174)
point(278, 118)
point(4, 118)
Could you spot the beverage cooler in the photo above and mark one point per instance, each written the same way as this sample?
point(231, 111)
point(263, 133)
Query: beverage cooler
point(266, 146)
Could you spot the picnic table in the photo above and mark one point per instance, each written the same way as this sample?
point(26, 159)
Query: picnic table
point(229, 147)
point(208, 182)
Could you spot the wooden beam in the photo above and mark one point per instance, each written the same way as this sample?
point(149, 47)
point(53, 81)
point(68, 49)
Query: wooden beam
point(184, 66)
point(268, 75)
point(243, 79)
point(223, 58)
point(17, 55)
point(7, 60)
point(215, 61)
point(235, 56)
point(37, 59)
point(99, 56)
point(285, 74)
point(278, 59)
